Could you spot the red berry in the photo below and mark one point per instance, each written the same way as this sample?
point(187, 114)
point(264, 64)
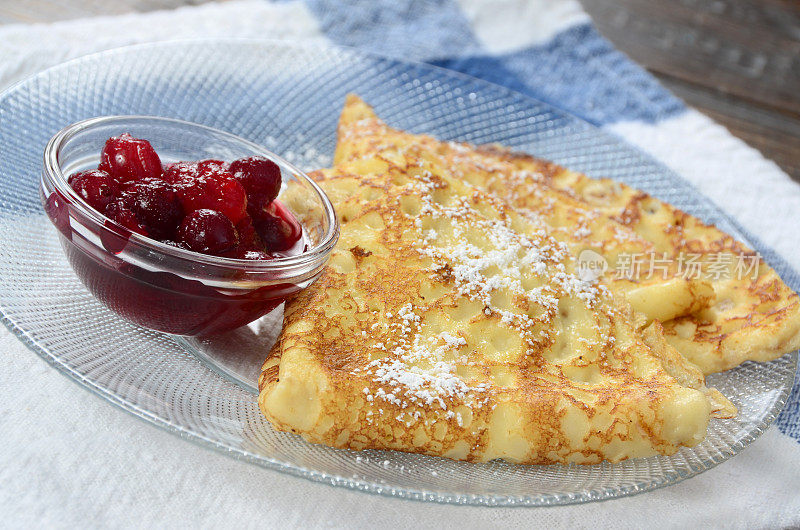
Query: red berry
point(156, 205)
point(96, 187)
point(184, 172)
point(277, 227)
point(179, 172)
point(127, 158)
point(215, 192)
point(120, 212)
point(260, 177)
point(207, 184)
point(207, 231)
point(211, 167)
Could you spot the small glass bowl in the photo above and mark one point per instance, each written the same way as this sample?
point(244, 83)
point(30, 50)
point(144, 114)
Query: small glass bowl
point(159, 286)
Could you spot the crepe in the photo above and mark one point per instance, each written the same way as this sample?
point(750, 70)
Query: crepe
point(451, 324)
point(718, 302)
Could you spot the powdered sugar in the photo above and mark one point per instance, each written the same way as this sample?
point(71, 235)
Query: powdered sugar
point(488, 261)
point(419, 371)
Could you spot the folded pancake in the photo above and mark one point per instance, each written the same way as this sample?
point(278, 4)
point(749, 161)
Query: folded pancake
point(718, 302)
point(451, 324)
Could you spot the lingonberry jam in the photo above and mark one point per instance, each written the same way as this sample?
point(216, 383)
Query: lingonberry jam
point(208, 206)
point(211, 207)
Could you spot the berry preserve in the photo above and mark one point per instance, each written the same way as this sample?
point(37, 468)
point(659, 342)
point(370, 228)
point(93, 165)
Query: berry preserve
point(213, 208)
point(206, 206)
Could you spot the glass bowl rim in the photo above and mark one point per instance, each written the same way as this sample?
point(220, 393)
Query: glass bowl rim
point(53, 173)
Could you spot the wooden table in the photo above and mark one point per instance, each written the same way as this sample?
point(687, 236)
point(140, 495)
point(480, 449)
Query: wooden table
point(737, 61)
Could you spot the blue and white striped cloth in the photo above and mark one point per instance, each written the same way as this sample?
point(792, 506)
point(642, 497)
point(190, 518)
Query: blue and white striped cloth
point(69, 459)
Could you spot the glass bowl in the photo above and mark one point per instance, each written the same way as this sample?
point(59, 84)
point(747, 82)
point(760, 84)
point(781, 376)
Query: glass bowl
point(159, 286)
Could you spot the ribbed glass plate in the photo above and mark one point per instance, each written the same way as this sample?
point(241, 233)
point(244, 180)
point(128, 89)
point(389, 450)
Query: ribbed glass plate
point(288, 97)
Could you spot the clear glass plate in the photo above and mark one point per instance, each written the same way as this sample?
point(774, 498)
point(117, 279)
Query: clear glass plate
point(288, 97)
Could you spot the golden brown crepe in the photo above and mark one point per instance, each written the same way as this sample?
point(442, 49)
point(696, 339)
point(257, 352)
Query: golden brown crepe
point(453, 324)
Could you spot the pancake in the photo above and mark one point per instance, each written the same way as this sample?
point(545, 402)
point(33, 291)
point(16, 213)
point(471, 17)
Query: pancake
point(452, 324)
point(731, 309)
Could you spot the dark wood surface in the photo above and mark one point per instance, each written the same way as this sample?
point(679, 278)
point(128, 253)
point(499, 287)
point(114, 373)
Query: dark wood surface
point(737, 61)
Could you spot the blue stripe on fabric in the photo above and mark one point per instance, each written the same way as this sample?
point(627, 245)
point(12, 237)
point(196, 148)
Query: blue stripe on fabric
point(417, 30)
point(577, 70)
point(580, 72)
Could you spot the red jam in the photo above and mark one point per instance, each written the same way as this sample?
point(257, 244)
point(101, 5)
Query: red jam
point(209, 206)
